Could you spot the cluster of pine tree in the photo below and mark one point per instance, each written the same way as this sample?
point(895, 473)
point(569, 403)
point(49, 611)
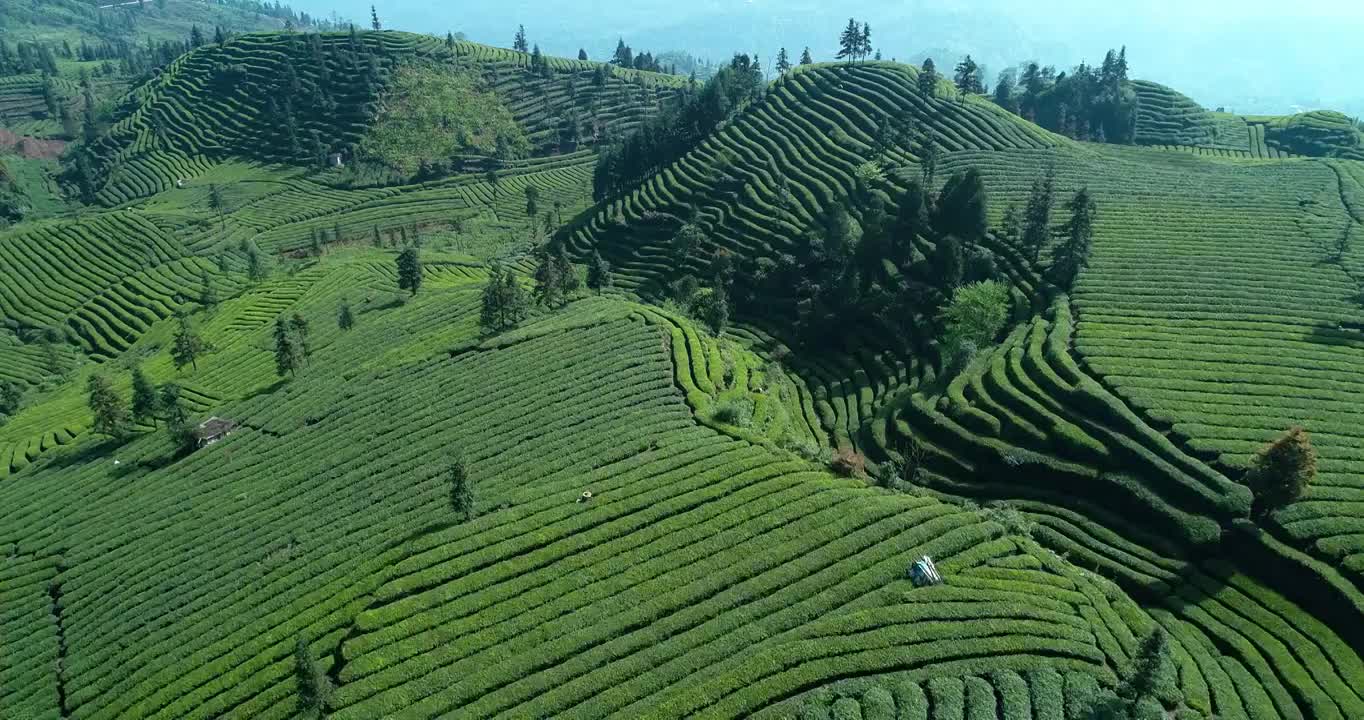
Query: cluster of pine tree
point(298, 97)
point(861, 264)
point(854, 43)
point(672, 132)
point(29, 57)
point(625, 57)
point(1091, 104)
point(14, 202)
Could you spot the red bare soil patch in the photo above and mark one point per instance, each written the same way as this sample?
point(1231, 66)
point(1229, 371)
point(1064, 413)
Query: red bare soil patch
point(31, 147)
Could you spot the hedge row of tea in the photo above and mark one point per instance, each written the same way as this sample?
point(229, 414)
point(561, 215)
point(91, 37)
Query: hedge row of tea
point(29, 635)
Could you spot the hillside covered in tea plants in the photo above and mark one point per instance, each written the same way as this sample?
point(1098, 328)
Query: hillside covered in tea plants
point(372, 374)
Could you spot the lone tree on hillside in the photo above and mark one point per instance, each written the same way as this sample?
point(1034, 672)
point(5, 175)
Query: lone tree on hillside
point(1037, 215)
point(344, 318)
point(976, 314)
point(928, 79)
point(208, 295)
point(110, 414)
point(299, 327)
point(374, 19)
point(257, 264)
point(783, 62)
point(929, 162)
point(805, 58)
point(409, 270)
point(532, 200)
point(1152, 668)
point(314, 687)
point(11, 394)
point(288, 357)
point(188, 345)
point(168, 399)
point(850, 42)
point(711, 306)
point(519, 43)
point(1151, 679)
point(504, 303)
point(582, 54)
point(598, 273)
point(461, 490)
point(962, 207)
point(178, 427)
point(967, 77)
point(1281, 471)
point(1005, 91)
point(145, 403)
point(949, 263)
point(216, 204)
point(1073, 254)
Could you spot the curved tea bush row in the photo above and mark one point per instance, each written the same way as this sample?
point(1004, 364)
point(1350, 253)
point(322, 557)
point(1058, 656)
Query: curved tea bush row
point(1035, 580)
point(812, 129)
point(1239, 643)
point(99, 282)
point(734, 389)
point(1214, 312)
point(286, 223)
point(1319, 133)
point(1210, 305)
point(29, 638)
point(330, 519)
point(1168, 117)
point(53, 268)
point(1024, 410)
point(664, 614)
point(149, 173)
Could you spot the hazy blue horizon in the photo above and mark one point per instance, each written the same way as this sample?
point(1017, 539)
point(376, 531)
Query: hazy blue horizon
point(1251, 58)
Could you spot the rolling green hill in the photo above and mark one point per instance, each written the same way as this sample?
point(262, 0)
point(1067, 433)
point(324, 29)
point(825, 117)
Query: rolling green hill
point(223, 102)
point(757, 499)
point(1167, 118)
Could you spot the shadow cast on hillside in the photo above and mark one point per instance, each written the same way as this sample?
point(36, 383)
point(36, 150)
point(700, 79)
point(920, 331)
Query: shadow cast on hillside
point(1346, 334)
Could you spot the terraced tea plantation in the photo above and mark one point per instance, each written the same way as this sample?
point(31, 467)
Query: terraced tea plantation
point(610, 510)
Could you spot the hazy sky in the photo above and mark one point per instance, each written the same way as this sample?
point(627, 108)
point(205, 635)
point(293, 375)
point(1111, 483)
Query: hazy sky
point(1249, 55)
